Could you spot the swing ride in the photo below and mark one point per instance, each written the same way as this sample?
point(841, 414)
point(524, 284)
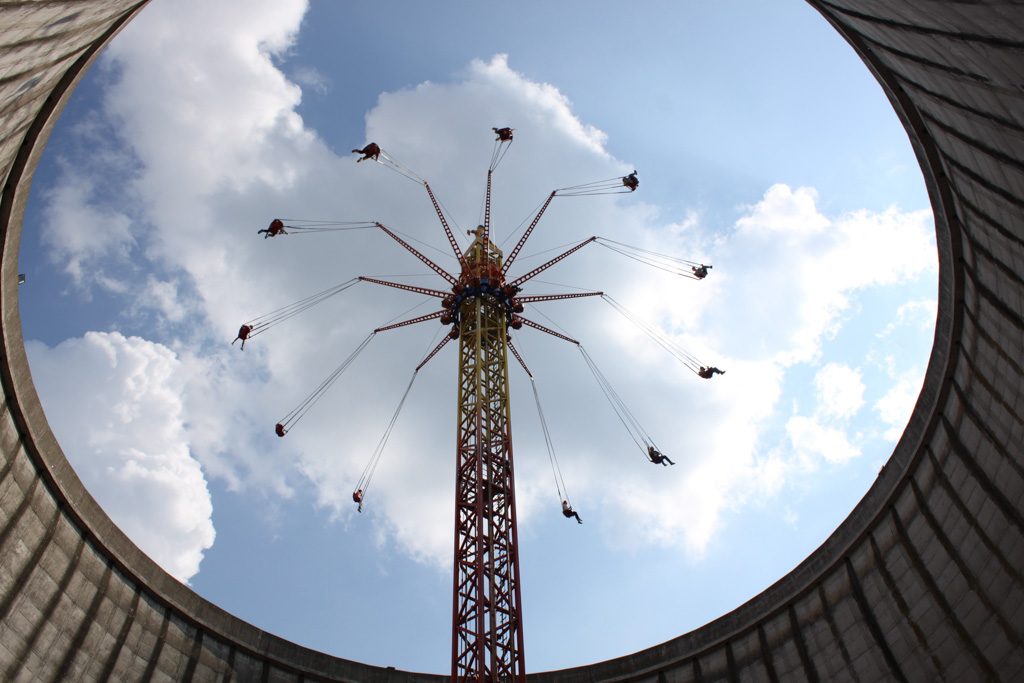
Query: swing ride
point(481, 305)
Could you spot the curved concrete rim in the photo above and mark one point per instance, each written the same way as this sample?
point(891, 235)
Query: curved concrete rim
point(921, 581)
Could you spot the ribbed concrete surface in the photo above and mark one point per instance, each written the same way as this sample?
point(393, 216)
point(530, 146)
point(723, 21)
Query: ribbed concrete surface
point(922, 582)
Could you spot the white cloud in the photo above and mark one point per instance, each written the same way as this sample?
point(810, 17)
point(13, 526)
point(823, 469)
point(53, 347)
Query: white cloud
point(812, 440)
point(840, 390)
point(163, 296)
point(823, 435)
point(919, 312)
point(799, 269)
point(81, 232)
point(895, 405)
point(114, 404)
point(782, 283)
point(785, 213)
point(312, 78)
point(783, 278)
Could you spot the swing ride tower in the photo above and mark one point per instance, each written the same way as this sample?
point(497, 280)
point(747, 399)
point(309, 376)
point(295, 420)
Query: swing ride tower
point(487, 623)
point(481, 306)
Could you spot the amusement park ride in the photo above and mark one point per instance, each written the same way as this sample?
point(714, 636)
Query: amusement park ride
point(481, 304)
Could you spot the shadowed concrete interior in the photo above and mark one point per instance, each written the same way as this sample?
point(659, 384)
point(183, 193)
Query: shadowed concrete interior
point(923, 581)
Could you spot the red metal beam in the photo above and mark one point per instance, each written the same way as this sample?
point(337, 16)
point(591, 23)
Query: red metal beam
point(515, 352)
point(526, 235)
point(409, 288)
point(411, 249)
point(554, 297)
point(444, 224)
point(411, 321)
point(538, 326)
point(440, 345)
point(541, 268)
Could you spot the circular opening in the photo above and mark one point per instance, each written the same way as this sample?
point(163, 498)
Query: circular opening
point(775, 165)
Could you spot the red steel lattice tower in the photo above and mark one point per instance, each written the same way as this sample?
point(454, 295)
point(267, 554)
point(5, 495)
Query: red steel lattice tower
point(487, 624)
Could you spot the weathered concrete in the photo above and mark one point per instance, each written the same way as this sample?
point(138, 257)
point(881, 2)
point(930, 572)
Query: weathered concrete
point(923, 581)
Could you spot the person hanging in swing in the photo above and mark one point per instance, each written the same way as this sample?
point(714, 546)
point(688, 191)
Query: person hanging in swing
point(569, 512)
point(371, 151)
point(631, 181)
point(275, 228)
point(658, 458)
point(709, 372)
point(357, 498)
point(243, 333)
point(700, 272)
point(504, 134)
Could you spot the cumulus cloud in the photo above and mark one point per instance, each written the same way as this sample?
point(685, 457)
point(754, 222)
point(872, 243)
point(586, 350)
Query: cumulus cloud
point(918, 312)
point(895, 405)
point(312, 78)
point(82, 232)
point(115, 404)
point(840, 390)
point(784, 276)
point(803, 267)
point(785, 213)
point(784, 279)
point(812, 440)
point(823, 435)
point(163, 296)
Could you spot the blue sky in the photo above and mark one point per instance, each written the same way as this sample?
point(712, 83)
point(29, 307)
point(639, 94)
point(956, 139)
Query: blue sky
point(764, 147)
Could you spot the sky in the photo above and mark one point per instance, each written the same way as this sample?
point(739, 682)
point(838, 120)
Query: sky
point(763, 146)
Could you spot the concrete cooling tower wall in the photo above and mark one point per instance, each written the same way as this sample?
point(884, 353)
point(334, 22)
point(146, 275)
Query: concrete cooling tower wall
point(923, 581)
